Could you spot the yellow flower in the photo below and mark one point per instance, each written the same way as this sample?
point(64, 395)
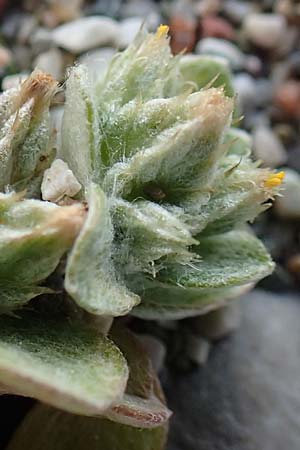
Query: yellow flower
point(274, 179)
point(162, 31)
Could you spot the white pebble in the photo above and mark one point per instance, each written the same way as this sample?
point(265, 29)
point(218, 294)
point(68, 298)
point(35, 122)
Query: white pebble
point(59, 181)
point(198, 349)
point(51, 62)
point(221, 47)
point(265, 30)
point(86, 33)
point(156, 350)
point(267, 147)
point(245, 88)
point(97, 61)
point(287, 206)
point(13, 81)
point(128, 30)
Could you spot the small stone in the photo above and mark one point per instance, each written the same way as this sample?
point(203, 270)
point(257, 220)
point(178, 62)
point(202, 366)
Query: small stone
point(11, 25)
point(245, 87)
point(183, 33)
point(13, 81)
point(155, 349)
point(294, 64)
point(22, 57)
point(293, 264)
point(221, 47)
point(5, 57)
point(236, 10)
point(287, 98)
point(264, 92)
point(86, 33)
point(219, 323)
point(253, 65)
point(51, 62)
point(40, 40)
point(287, 206)
point(198, 349)
point(128, 30)
point(97, 60)
point(265, 30)
point(59, 11)
point(213, 26)
point(207, 7)
point(285, 132)
point(138, 8)
point(27, 27)
point(56, 116)
point(110, 8)
point(59, 181)
point(267, 147)
point(284, 7)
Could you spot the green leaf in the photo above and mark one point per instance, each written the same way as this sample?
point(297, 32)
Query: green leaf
point(206, 70)
point(49, 429)
point(34, 235)
point(184, 158)
point(240, 142)
point(91, 279)
point(143, 404)
point(146, 232)
point(228, 264)
point(80, 128)
point(237, 195)
point(229, 259)
point(25, 138)
point(163, 301)
point(14, 297)
point(140, 71)
point(61, 363)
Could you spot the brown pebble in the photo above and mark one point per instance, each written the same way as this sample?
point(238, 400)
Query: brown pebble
point(5, 57)
point(293, 264)
point(213, 26)
point(287, 98)
point(183, 34)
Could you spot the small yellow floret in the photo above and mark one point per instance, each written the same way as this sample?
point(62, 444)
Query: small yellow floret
point(162, 30)
point(274, 180)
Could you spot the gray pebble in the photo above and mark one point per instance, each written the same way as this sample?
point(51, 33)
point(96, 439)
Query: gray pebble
point(198, 349)
point(156, 350)
point(247, 397)
point(219, 323)
point(221, 47)
point(267, 147)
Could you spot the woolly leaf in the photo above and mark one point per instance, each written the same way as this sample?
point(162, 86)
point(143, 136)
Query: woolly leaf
point(162, 301)
point(228, 259)
point(146, 232)
point(60, 363)
point(183, 158)
point(206, 70)
point(140, 71)
point(91, 278)
point(238, 194)
point(49, 429)
point(143, 404)
point(25, 144)
point(34, 235)
point(80, 132)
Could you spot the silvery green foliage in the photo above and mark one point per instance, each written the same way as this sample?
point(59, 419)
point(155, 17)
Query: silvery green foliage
point(157, 230)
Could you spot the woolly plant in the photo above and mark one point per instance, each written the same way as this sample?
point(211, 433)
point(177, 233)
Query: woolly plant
point(142, 210)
